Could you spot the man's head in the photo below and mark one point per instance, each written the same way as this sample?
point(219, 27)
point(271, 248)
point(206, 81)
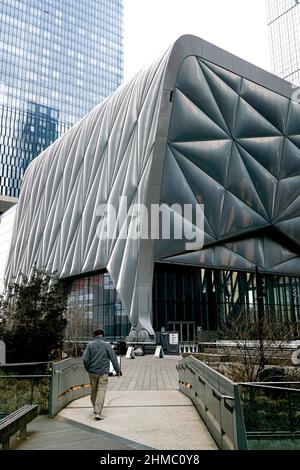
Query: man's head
point(98, 333)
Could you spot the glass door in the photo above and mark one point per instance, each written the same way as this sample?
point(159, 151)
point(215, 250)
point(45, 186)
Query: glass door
point(186, 330)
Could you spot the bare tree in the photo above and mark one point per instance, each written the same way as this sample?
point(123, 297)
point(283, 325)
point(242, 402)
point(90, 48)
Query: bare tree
point(76, 329)
point(256, 342)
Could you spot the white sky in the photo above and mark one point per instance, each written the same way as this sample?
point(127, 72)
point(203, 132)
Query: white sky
point(151, 26)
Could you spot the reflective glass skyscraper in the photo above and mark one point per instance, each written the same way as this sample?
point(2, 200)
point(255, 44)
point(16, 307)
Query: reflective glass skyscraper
point(58, 59)
point(284, 34)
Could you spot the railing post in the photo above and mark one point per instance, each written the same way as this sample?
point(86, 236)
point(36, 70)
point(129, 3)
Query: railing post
point(291, 421)
point(241, 435)
point(51, 386)
point(32, 386)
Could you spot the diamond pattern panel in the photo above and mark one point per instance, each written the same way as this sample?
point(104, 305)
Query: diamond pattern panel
point(244, 166)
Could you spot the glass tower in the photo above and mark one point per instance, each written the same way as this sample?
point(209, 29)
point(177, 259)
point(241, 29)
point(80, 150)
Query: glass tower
point(284, 34)
point(58, 59)
point(6, 232)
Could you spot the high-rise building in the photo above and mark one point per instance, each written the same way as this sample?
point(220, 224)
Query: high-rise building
point(58, 59)
point(284, 34)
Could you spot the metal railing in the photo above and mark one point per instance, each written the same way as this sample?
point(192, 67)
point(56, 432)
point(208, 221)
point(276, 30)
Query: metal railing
point(271, 409)
point(52, 386)
point(69, 381)
point(23, 384)
point(217, 400)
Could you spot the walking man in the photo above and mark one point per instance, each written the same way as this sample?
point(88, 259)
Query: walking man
point(96, 359)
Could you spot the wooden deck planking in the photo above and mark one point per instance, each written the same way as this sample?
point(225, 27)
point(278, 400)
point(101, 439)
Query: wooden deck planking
point(146, 373)
point(140, 379)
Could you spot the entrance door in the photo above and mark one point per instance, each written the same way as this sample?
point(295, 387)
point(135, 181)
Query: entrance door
point(186, 330)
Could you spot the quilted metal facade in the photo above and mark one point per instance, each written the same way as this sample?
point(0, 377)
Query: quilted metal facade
point(233, 145)
point(199, 126)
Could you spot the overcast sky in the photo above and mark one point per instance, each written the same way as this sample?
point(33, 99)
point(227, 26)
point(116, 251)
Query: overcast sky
point(151, 26)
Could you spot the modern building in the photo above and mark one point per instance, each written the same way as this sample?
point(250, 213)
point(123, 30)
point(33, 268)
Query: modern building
point(284, 34)
point(6, 231)
point(200, 126)
point(58, 59)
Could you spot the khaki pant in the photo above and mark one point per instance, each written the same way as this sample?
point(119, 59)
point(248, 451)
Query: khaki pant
point(98, 391)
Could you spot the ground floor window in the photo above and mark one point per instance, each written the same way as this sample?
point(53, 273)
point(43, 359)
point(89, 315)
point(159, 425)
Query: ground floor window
point(185, 298)
point(94, 303)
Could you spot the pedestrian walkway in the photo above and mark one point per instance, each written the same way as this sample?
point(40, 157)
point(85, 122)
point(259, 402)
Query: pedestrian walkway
point(60, 434)
point(145, 406)
point(147, 373)
point(143, 410)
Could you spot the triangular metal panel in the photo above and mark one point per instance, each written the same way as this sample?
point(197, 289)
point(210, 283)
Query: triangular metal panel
point(291, 228)
point(273, 106)
point(252, 124)
point(290, 267)
point(207, 191)
point(276, 253)
point(237, 218)
point(230, 78)
point(175, 189)
point(266, 150)
point(226, 98)
point(188, 122)
point(288, 191)
point(264, 182)
point(225, 258)
point(192, 83)
point(212, 157)
point(204, 257)
point(290, 164)
point(295, 139)
point(251, 249)
point(240, 184)
point(292, 211)
point(293, 121)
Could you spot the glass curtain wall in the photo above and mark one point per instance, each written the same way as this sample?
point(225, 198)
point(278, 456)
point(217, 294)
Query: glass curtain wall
point(6, 233)
point(94, 303)
point(208, 297)
point(58, 59)
point(284, 35)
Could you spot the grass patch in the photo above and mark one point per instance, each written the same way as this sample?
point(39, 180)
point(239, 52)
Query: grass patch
point(17, 392)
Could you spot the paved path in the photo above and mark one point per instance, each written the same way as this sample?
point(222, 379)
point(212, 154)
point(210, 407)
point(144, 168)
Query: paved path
point(143, 409)
point(60, 434)
point(145, 406)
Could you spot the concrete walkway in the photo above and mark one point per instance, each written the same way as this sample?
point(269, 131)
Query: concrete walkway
point(45, 433)
point(146, 407)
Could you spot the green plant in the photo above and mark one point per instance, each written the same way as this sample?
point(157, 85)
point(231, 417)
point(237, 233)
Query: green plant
point(33, 322)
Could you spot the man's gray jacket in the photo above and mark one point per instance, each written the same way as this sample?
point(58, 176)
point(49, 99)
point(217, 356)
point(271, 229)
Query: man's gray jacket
point(97, 356)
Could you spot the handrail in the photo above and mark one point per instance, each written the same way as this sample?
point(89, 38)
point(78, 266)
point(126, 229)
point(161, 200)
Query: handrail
point(269, 387)
point(272, 434)
point(290, 345)
point(13, 364)
point(73, 366)
point(217, 402)
point(24, 376)
point(225, 397)
point(268, 383)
